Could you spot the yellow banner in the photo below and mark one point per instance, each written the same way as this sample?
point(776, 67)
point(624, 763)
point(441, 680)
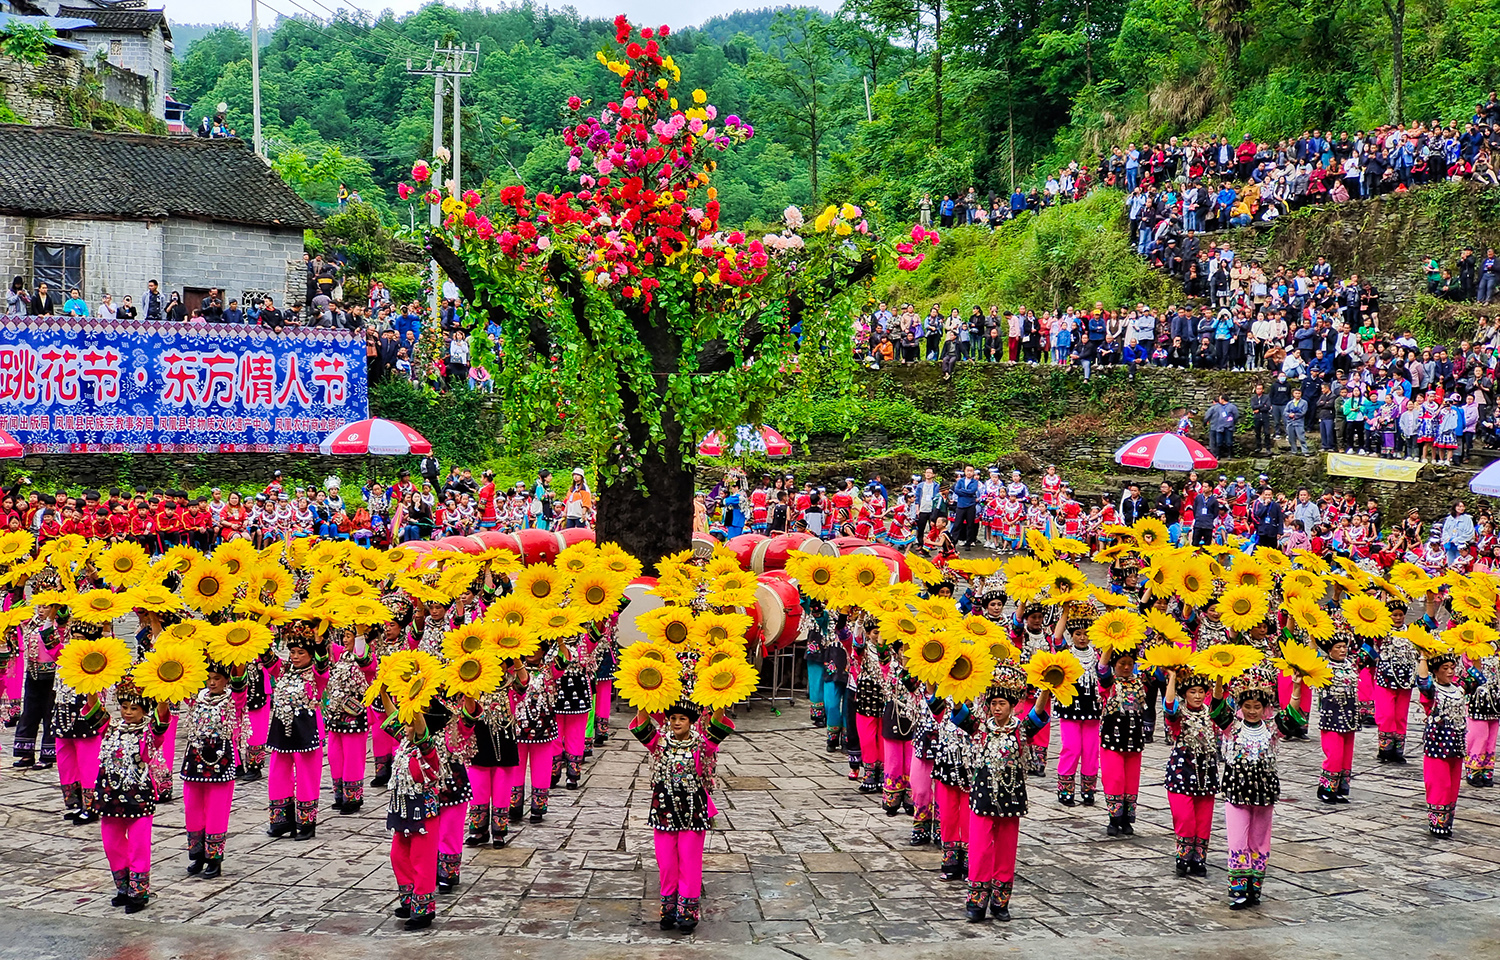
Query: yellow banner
point(1372, 468)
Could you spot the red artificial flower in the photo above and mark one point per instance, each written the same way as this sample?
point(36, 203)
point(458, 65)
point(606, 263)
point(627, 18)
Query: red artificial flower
point(646, 33)
point(403, 190)
point(662, 31)
point(634, 51)
point(420, 171)
point(575, 102)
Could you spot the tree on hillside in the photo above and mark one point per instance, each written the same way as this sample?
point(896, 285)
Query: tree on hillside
point(628, 310)
point(798, 69)
point(923, 21)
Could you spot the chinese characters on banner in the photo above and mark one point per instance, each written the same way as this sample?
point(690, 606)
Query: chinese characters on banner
point(86, 386)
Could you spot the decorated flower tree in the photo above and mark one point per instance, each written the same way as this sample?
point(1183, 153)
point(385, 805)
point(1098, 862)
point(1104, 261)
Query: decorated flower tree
point(629, 312)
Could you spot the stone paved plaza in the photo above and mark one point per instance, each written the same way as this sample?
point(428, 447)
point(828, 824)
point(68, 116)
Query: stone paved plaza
point(799, 857)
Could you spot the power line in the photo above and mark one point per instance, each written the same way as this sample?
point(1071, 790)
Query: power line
point(317, 24)
point(341, 17)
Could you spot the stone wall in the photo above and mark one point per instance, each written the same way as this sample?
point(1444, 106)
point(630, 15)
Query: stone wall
point(119, 256)
point(145, 54)
point(240, 260)
point(34, 92)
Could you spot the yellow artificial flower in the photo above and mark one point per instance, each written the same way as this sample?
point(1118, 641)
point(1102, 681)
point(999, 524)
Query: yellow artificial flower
point(238, 642)
point(597, 593)
point(542, 583)
point(1471, 605)
point(514, 642)
point(16, 545)
point(400, 558)
point(1225, 661)
point(152, 597)
point(455, 579)
point(923, 569)
point(124, 564)
point(1472, 639)
point(178, 559)
point(195, 633)
point(1019, 564)
point(1117, 630)
point(1167, 628)
point(1062, 579)
point(370, 564)
point(984, 566)
point(1367, 616)
point(1195, 582)
point(171, 673)
point(474, 673)
point(1300, 660)
point(100, 606)
point(353, 588)
point(1057, 672)
point(271, 584)
point(326, 553)
point(1310, 618)
point(237, 556)
point(1040, 546)
point(1243, 607)
point(552, 623)
point(1070, 546)
point(1247, 573)
point(720, 565)
point(1304, 584)
point(712, 629)
point(207, 587)
point(670, 625)
point(1024, 587)
point(979, 630)
point(1151, 533)
point(928, 658)
point(93, 666)
point(617, 561)
point(416, 685)
point(723, 683)
point(1166, 656)
point(902, 625)
point(648, 685)
point(1308, 560)
point(515, 610)
point(968, 675)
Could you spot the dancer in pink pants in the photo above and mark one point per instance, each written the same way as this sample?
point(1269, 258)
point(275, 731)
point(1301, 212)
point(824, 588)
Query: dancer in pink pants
point(951, 780)
point(924, 747)
point(1444, 740)
point(258, 687)
point(1395, 675)
point(1484, 720)
point(1338, 719)
point(536, 741)
point(451, 735)
point(1251, 786)
point(997, 794)
point(412, 816)
point(296, 735)
point(78, 724)
point(1194, 723)
point(347, 723)
point(216, 730)
point(575, 668)
point(1029, 634)
point(1122, 735)
point(496, 760)
point(905, 702)
point(1078, 722)
point(130, 762)
point(868, 668)
point(682, 764)
point(395, 634)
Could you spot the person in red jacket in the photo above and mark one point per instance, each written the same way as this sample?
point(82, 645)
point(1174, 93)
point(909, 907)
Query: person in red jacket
point(195, 520)
point(103, 524)
point(168, 523)
point(50, 528)
point(1244, 157)
point(143, 529)
point(119, 524)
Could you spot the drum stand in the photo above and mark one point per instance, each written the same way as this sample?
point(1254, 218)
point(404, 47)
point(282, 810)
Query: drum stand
point(782, 666)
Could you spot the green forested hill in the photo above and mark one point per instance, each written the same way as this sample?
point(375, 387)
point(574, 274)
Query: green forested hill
point(982, 92)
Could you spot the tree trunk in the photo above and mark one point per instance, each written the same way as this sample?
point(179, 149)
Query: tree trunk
point(937, 73)
point(1397, 13)
point(658, 520)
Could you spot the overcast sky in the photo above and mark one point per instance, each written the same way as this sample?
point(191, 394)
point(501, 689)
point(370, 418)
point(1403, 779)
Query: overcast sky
point(674, 12)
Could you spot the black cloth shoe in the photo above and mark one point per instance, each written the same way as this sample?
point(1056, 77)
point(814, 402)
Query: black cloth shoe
point(135, 904)
point(1198, 869)
point(418, 923)
point(402, 912)
point(213, 869)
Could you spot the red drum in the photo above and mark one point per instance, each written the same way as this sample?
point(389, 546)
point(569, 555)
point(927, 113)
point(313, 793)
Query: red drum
point(703, 546)
point(638, 600)
point(439, 546)
point(744, 547)
point(493, 539)
point(575, 535)
point(848, 545)
point(537, 546)
point(891, 555)
point(773, 553)
point(779, 604)
point(462, 544)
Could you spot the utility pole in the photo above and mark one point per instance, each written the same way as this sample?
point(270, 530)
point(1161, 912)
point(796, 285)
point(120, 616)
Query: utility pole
point(260, 149)
point(451, 63)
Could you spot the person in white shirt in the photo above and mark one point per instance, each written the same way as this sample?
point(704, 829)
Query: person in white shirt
point(107, 308)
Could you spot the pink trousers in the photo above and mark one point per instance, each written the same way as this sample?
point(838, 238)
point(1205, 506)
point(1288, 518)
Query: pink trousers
point(382, 744)
point(538, 758)
point(679, 862)
point(295, 775)
point(896, 756)
point(1284, 695)
point(1121, 773)
point(1192, 817)
point(1247, 831)
point(491, 785)
point(1392, 708)
point(1480, 742)
point(169, 743)
point(921, 790)
point(414, 862)
point(574, 732)
point(1043, 737)
point(953, 813)
point(1338, 751)
point(871, 744)
point(205, 806)
point(1080, 748)
point(450, 829)
point(78, 760)
point(260, 725)
point(604, 691)
point(346, 756)
point(992, 848)
point(1366, 689)
point(1442, 776)
point(15, 678)
point(127, 843)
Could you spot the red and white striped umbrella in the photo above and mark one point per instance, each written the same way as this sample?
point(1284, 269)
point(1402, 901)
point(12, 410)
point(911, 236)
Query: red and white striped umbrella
point(10, 447)
point(1165, 451)
point(747, 439)
point(379, 437)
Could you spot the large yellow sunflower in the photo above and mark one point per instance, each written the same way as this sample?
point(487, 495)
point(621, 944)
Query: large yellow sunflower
point(1300, 660)
point(416, 685)
point(680, 589)
point(923, 569)
point(984, 566)
point(1429, 644)
point(1040, 546)
point(152, 597)
point(124, 564)
point(711, 629)
point(1117, 630)
point(895, 597)
point(733, 588)
point(1248, 573)
point(93, 666)
point(514, 642)
point(1305, 585)
point(1225, 661)
point(171, 673)
point(1472, 639)
point(1025, 587)
point(266, 613)
point(1243, 607)
point(474, 673)
point(326, 553)
point(1151, 533)
point(968, 674)
point(17, 574)
point(596, 593)
point(979, 630)
point(552, 623)
point(455, 578)
point(401, 558)
point(929, 657)
point(207, 587)
point(1068, 545)
point(1308, 560)
point(469, 638)
point(577, 558)
point(15, 616)
point(1167, 628)
point(370, 564)
point(358, 612)
point(728, 649)
point(1020, 564)
point(238, 642)
point(101, 606)
point(1310, 618)
point(670, 625)
point(648, 684)
point(614, 559)
point(237, 556)
point(1367, 616)
point(1166, 656)
point(720, 565)
point(514, 609)
point(542, 583)
point(903, 625)
point(16, 545)
point(1410, 578)
point(270, 583)
point(1057, 672)
point(936, 609)
point(321, 581)
point(1061, 578)
point(1471, 604)
point(723, 683)
point(354, 588)
point(179, 559)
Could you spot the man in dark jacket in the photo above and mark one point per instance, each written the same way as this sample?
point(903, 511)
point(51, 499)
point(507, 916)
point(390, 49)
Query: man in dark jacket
point(1133, 506)
point(42, 304)
point(1268, 518)
point(1205, 512)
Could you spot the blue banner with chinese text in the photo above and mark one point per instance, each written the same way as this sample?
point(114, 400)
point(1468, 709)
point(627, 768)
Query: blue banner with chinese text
point(101, 386)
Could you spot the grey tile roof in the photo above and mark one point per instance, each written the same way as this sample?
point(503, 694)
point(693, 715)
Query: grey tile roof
point(68, 172)
point(117, 19)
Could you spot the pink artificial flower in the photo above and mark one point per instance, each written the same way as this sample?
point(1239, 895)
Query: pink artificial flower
point(420, 171)
point(575, 102)
point(471, 198)
point(403, 190)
